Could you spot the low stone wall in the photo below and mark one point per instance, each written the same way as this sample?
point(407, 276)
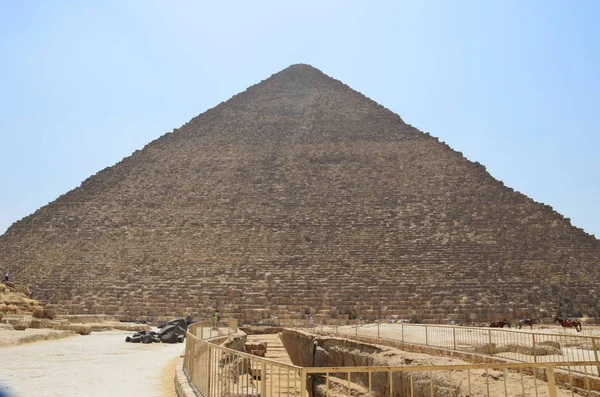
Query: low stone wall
point(562, 376)
point(310, 350)
point(432, 351)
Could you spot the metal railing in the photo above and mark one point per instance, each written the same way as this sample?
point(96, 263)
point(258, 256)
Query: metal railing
point(522, 346)
point(217, 371)
point(524, 379)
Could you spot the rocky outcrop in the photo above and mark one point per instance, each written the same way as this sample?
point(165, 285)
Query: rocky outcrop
point(15, 300)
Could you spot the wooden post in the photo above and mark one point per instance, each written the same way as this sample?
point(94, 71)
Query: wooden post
point(534, 351)
point(426, 337)
point(378, 324)
point(490, 342)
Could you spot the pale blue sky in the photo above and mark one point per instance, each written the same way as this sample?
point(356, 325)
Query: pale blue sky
point(511, 84)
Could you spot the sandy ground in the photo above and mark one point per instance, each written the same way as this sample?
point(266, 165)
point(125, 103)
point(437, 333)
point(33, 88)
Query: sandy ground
point(97, 365)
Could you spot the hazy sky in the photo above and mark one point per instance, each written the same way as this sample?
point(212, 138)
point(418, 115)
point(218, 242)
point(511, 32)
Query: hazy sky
point(514, 85)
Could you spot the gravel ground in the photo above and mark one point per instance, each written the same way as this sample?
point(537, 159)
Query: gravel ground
point(97, 365)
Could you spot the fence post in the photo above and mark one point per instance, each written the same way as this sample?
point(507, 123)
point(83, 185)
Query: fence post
point(454, 337)
point(402, 336)
point(209, 372)
point(551, 381)
point(595, 347)
point(426, 337)
point(534, 350)
point(378, 324)
point(490, 342)
point(303, 390)
point(263, 378)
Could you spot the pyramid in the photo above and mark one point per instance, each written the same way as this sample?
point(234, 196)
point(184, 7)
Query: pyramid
point(301, 195)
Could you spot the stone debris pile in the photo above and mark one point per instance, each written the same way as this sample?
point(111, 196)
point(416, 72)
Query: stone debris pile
point(170, 332)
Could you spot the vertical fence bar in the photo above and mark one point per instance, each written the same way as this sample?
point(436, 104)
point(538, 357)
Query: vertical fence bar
point(454, 338)
point(595, 347)
point(263, 378)
point(402, 337)
point(534, 350)
point(303, 391)
point(426, 337)
point(349, 388)
point(209, 371)
point(490, 342)
point(551, 381)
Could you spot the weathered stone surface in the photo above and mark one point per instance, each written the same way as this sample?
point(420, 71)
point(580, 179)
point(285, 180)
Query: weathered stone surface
point(296, 196)
point(237, 342)
point(81, 329)
point(306, 349)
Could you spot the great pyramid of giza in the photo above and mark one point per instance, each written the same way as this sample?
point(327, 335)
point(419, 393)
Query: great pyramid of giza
point(302, 195)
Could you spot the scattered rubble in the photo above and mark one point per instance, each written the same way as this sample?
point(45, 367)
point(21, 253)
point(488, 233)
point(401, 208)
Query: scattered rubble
point(170, 332)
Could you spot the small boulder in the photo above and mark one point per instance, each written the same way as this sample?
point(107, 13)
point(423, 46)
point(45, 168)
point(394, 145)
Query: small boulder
point(169, 337)
point(147, 339)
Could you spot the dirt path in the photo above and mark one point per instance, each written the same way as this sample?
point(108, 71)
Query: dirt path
point(167, 387)
point(98, 365)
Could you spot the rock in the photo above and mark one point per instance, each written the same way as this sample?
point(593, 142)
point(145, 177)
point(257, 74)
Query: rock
point(81, 329)
point(21, 325)
point(169, 337)
point(256, 347)
point(552, 343)
point(36, 323)
point(44, 313)
point(180, 322)
point(236, 343)
point(171, 329)
point(147, 339)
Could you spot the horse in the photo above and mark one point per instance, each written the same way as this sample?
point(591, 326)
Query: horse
point(528, 321)
point(568, 323)
point(499, 324)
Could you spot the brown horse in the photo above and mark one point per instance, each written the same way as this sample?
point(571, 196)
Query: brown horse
point(568, 323)
point(499, 324)
point(528, 321)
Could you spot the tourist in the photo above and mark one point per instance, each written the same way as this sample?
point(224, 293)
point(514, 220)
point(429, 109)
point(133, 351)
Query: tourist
point(188, 320)
point(6, 276)
point(214, 320)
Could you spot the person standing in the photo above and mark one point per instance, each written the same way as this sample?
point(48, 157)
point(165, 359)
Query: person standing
point(6, 275)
